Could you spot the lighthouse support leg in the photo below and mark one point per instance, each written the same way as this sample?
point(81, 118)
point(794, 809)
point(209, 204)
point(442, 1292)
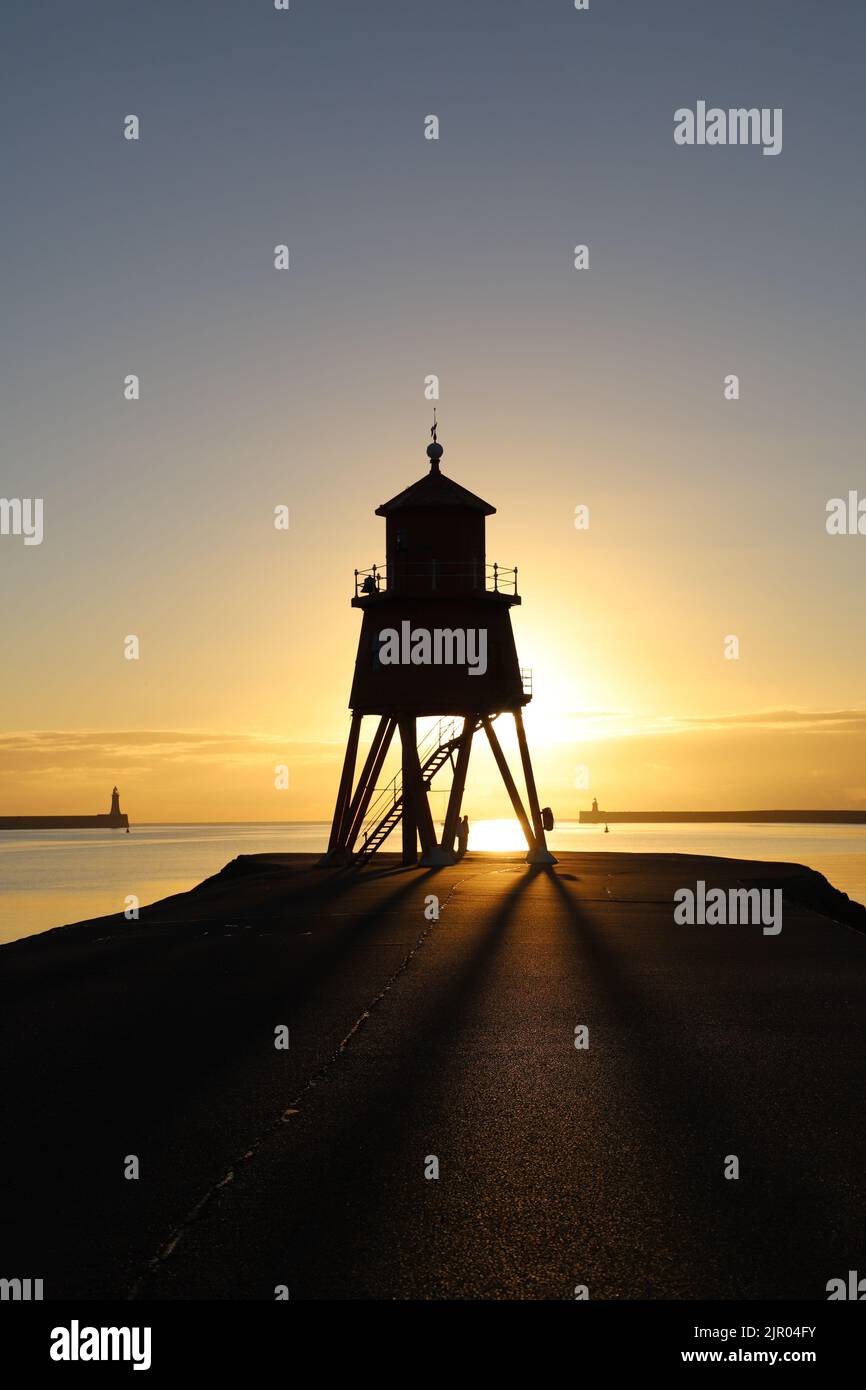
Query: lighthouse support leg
point(455, 800)
point(409, 819)
point(349, 814)
point(345, 790)
point(510, 785)
point(367, 781)
point(417, 817)
point(540, 854)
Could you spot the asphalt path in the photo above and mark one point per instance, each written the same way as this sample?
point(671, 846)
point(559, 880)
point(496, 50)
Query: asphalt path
point(432, 1131)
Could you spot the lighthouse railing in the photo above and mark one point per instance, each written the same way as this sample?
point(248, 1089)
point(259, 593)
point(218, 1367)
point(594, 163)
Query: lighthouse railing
point(445, 575)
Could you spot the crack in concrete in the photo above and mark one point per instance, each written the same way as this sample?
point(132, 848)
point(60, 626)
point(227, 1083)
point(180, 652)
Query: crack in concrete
point(168, 1247)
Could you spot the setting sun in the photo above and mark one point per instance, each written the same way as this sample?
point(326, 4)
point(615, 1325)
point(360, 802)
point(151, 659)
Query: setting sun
point(496, 835)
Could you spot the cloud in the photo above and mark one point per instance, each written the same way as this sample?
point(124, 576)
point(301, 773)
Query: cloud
point(37, 752)
point(622, 724)
point(847, 720)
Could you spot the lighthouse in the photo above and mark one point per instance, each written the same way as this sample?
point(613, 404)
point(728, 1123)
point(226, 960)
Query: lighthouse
point(436, 642)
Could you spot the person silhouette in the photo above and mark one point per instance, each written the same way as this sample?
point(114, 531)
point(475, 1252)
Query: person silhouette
point(462, 836)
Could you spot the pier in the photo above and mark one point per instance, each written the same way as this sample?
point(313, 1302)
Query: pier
point(114, 819)
point(596, 817)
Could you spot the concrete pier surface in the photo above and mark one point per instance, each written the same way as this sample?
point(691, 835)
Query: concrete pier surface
point(421, 1043)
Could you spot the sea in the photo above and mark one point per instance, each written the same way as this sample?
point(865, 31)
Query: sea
point(52, 877)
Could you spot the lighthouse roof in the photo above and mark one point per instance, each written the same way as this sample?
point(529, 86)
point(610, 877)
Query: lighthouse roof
point(435, 490)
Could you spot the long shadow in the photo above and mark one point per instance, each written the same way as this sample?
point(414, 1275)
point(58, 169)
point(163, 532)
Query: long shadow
point(681, 1124)
point(651, 1028)
point(691, 1114)
point(170, 1030)
point(375, 1113)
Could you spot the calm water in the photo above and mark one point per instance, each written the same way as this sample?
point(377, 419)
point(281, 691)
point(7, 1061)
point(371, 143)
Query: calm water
point(50, 877)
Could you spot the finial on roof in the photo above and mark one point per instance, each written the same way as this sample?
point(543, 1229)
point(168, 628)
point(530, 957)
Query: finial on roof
point(434, 450)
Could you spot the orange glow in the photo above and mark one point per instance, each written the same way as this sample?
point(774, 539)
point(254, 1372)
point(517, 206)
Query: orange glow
point(496, 835)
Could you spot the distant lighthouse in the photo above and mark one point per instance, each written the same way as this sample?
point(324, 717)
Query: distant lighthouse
point(436, 640)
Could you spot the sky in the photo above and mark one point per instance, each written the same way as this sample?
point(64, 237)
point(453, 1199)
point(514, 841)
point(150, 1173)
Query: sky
point(601, 387)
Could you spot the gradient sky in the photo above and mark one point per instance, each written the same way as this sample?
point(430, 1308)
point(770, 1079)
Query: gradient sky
point(558, 387)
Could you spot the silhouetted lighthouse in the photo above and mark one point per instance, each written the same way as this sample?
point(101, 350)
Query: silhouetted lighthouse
point(436, 639)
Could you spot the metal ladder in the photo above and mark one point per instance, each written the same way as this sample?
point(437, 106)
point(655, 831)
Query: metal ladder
point(383, 821)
